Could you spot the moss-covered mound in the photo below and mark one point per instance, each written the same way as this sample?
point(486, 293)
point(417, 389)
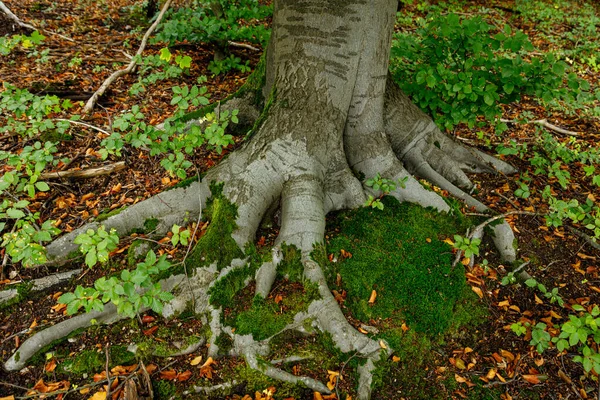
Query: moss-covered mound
point(398, 252)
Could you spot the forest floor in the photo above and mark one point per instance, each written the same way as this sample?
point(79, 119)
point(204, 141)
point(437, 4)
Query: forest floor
point(491, 362)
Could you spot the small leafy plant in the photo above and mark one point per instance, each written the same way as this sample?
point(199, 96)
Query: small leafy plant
point(97, 245)
point(131, 292)
point(384, 185)
point(470, 247)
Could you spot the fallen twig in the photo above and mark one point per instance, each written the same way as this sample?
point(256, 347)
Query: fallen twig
point(85, 173)
point(22, 24)
point(92, 101)
point(243, 46)
point(587, 238)
point(544, 122)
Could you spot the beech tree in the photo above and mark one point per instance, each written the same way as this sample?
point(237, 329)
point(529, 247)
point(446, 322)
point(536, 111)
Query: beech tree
point(327, 116)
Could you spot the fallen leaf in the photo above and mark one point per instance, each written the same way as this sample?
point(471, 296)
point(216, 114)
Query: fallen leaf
point(533, 379)
point(98, 396)
point(373, 297)
point(508, 355)
point(50, 366)
point(459, 378)
point(491, 374)
point(196, 360)
point(184, 376)
point(460, 364)
point(11, 397)
point(382, 344)
point(150, 331)
point(146, 319)
point(278, 299)
point(168, 374)
point(478, 291)
point(395, 358)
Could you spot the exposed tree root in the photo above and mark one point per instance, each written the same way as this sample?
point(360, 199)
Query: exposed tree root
point(40, 284)
point(301, 160)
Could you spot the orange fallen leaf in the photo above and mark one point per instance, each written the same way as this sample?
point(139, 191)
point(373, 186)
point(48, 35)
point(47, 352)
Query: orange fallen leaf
point(373, 297)
point(184, 376)
point(395, 359)
point(478, 291)
point(50, 366)
point(150, 331)
point(98, 396)
point(533, 379)
point(168, 374)
point(278, 299)
point(146, 319)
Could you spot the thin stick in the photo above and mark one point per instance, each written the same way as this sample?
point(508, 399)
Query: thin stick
point(84, 124)
point(92, 101)
point(544, 122)
point(22, 24)
point(85, 173)
point(243, 46)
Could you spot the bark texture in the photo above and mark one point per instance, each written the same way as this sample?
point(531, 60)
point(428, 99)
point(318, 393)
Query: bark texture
point(333, 114)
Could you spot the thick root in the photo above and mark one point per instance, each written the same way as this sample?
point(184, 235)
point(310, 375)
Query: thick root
point(169, 208)
point(430, 154)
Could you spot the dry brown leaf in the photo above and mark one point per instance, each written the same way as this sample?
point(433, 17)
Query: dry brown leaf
point(151, 368)
point(50, 365)
point(11, 397)
point(317, 396)
point(508, 355)
point(168, 374)
point(478, 291)
point(184, 376)
point(98, 396)
point(278, 299)
point(491, 374)
point(459, 378)
point(382, 344)
point(533, 379)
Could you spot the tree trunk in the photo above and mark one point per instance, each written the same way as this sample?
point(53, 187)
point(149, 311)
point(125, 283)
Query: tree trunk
point(332, 114)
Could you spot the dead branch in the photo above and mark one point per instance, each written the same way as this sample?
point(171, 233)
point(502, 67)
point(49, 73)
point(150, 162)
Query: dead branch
point(22, 24)
point(544, 122)
point(243, 46)
point(85, 173)
point(117, 74)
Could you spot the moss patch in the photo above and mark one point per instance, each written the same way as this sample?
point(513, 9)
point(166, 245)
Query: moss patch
point(399, 253)
point(217, 245)
point(94, 361)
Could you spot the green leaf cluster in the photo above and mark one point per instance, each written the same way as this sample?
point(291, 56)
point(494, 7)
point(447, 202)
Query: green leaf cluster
point(97, 245)
point(460, 69)
point(131, 292)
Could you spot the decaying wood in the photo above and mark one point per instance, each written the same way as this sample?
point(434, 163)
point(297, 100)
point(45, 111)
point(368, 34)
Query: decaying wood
point(117, 74)
point(85, 173)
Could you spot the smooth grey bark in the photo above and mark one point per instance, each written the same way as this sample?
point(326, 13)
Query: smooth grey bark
point(333, 114)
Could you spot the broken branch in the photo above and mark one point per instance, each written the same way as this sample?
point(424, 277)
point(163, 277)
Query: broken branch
point(544, 122)
point(85, 173)
point(117, 74)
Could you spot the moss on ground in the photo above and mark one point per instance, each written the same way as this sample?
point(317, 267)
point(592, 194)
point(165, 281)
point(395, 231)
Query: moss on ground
point(94, 361)
point(399, 253)
point(217, 245)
